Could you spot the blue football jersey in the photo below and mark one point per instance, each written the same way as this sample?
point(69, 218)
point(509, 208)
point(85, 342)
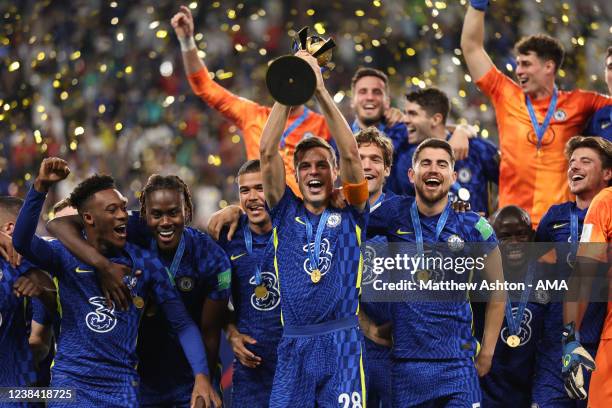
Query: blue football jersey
point(600, 124)
point(398, 181)
point(203, 272)
point(256, 317)
point(16, 367)
point(432, 330)
point(474, 173)
point(336, 295)
point(555, 227)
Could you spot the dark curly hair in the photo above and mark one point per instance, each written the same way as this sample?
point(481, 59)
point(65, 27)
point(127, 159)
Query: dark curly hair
point(159, 182)
point(87, 188)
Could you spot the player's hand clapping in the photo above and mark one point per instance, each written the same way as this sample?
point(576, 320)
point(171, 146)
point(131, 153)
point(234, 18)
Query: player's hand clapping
point(52, 170)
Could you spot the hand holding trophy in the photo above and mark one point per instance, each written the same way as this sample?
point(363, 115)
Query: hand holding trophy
point(290, 79)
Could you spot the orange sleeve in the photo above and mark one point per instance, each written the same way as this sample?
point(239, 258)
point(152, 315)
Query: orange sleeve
point(233, 107)
point(597, 227)
point(593, 101)
point(495, 84)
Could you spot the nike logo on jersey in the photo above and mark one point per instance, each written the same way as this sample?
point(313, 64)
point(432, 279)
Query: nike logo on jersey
point(234, 257)
point(400, 232)
point(79, 270)
point(298, 219)
point(605, 125)
point(560, 225)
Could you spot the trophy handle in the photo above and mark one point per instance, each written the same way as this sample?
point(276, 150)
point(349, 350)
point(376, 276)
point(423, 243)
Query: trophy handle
point(303, 35)
point(328, 45)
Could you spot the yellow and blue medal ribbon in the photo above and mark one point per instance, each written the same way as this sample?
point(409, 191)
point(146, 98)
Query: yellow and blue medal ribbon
point(540, 130)
point(514, 322)
point(315, 274)
point(418, 231)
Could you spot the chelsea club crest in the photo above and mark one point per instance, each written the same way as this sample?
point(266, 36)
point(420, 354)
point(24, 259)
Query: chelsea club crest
point(455, 242)
point(334, 220)
point(560, 115)
point(185, 284)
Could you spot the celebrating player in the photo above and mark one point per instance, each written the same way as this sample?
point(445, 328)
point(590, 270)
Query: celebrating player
point(318, 261)
point(97, 343)
point(535, 119)
point(371, 103)
point(247, 115)
point(15, 354)
point(433, 346)
point(426, 111)
point(601, 122)
point(198, 268)
point(255, 329)
point(589, 172)
point(519, 337)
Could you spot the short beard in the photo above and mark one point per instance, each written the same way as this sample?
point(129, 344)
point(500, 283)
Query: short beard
point(434, 199)
point(367, 122)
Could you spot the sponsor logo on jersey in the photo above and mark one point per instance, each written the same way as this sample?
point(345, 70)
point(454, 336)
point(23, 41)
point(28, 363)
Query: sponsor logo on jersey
point(325, 257)
point(272, 298)
point(102, 319)
point(524, 330)
point(369, 254)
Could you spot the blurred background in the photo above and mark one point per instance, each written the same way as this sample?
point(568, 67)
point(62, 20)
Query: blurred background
point(101, 83)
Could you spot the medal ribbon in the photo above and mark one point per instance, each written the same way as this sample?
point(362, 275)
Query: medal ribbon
point(314, 253)
point(540, 130)
point(573, 226)
point(296, 123)
point(248, 240)
point(418, 231)
point(514, 322)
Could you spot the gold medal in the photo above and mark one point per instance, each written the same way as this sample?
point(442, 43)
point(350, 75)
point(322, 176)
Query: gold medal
point(422, 275)
point(261, 291)
point(138, 302)
point(315, 276)
point(513, 341)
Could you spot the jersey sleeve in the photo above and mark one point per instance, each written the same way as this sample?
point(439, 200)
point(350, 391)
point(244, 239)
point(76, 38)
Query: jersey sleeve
point(232, 107)
point(597, 227)
point(32, 247)
point(495, 84)
point(482, 232)
point(137, 230)
point(217, 268)
point(40, 314)
point(592, 101)
point(380, 222)
point(489, 154)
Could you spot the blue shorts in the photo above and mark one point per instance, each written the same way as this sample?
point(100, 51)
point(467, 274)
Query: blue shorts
point(377, 365)
point(320, 365)
point(251, 387)
point(96, 393)
point(435, 383)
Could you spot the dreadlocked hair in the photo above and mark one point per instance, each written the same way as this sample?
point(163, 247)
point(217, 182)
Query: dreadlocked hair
point(158, 182)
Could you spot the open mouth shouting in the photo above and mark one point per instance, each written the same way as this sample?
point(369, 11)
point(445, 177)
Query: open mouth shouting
point(255, 209)
point(166, 235)
point(121, 231)
point(432, 182)
point(315, 186)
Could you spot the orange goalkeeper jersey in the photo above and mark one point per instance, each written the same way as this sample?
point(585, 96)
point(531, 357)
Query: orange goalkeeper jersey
point(251, 117)
point(598, 229)
point(532, 179)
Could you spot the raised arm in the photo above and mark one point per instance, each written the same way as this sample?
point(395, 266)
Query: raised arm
point(472, 40)
point(272, 166)
point(25, 240)
point(494, 315)
point(229, 105)
point(68, 230)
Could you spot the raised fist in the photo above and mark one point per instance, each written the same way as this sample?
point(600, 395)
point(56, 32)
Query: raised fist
point(182, 22)
point(52, 170)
